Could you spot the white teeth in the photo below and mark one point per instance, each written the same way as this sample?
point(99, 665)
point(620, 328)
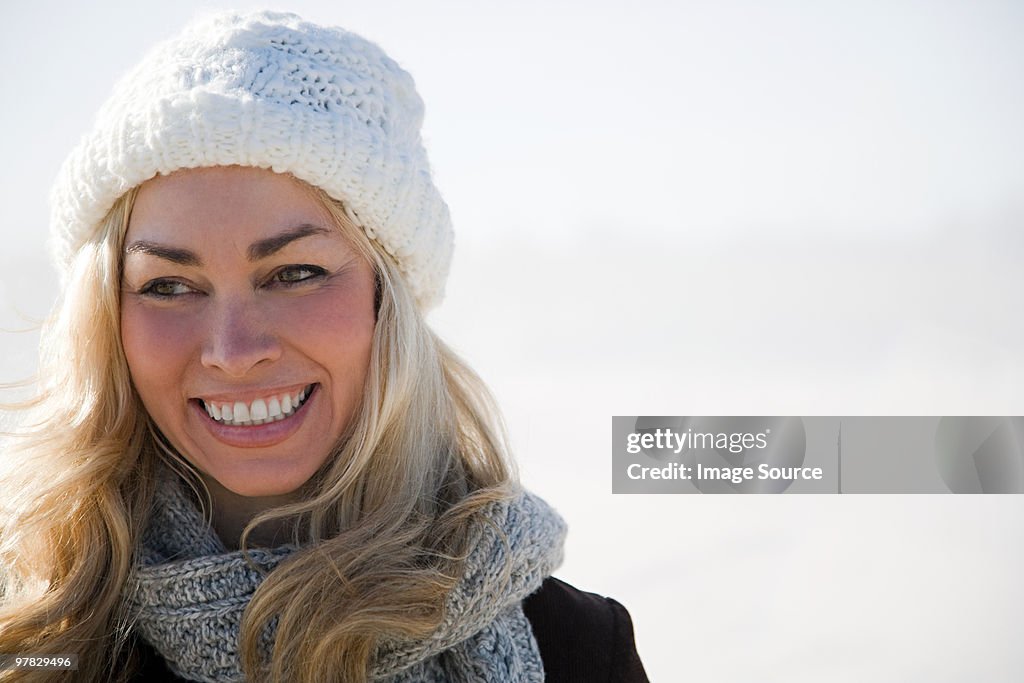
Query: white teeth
point(274, 407)
point(259, 411)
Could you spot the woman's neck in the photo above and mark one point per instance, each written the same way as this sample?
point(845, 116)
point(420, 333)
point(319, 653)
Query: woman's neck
point(232, 512)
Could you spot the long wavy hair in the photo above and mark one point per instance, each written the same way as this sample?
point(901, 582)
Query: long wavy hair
point(384, 523)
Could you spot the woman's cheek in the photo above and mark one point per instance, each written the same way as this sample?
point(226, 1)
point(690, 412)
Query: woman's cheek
point(156, 337)
point(342, 315)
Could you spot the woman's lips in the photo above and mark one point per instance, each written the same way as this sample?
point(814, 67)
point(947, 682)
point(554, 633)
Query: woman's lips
point(256, 432)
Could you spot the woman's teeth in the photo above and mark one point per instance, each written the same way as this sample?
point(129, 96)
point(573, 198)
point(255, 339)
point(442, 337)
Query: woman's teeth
point(260, 411)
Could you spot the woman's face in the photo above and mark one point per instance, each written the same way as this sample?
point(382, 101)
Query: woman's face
point(247, 321)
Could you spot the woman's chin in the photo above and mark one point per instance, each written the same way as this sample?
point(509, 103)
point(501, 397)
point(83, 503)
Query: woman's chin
point(260, 481)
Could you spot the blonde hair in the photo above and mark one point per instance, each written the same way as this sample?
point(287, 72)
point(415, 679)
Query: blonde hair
point(384, 524)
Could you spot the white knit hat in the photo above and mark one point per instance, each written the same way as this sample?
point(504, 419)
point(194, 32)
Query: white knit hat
point(269, 90)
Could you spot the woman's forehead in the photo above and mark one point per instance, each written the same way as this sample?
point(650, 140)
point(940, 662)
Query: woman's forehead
point(241, 203)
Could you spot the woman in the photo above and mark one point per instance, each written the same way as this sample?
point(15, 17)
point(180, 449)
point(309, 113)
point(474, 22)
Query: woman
point(249, 458)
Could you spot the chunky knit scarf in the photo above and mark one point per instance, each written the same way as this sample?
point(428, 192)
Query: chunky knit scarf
point(190, 593)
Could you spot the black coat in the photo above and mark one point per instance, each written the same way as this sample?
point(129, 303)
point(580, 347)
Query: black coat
point(583, 638)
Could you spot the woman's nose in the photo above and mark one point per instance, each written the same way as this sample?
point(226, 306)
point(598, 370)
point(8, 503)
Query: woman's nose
point(239, 338)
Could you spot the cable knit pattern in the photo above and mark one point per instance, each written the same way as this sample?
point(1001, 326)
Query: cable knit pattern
point(269, 90)
point(190, 594)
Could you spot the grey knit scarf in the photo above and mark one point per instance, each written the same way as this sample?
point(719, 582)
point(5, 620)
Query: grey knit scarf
point(189, 594)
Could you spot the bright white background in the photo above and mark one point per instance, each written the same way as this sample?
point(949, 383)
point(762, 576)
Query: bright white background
point(683, 208)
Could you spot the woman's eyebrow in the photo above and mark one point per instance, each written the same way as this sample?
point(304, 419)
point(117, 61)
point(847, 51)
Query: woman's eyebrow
point(271, 245)
point(180, 256)
point(258, 250)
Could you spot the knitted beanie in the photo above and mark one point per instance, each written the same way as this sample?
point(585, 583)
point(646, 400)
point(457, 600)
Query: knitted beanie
point(268, 90)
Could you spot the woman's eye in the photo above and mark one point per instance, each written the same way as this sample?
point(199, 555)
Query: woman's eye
point(290, 275)
point(165, 289)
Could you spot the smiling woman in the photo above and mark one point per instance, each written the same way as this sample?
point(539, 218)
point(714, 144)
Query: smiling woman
point(249, 350)
point(249, 457)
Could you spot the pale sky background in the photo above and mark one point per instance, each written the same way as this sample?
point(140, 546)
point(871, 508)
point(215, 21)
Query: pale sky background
point(687, 208)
